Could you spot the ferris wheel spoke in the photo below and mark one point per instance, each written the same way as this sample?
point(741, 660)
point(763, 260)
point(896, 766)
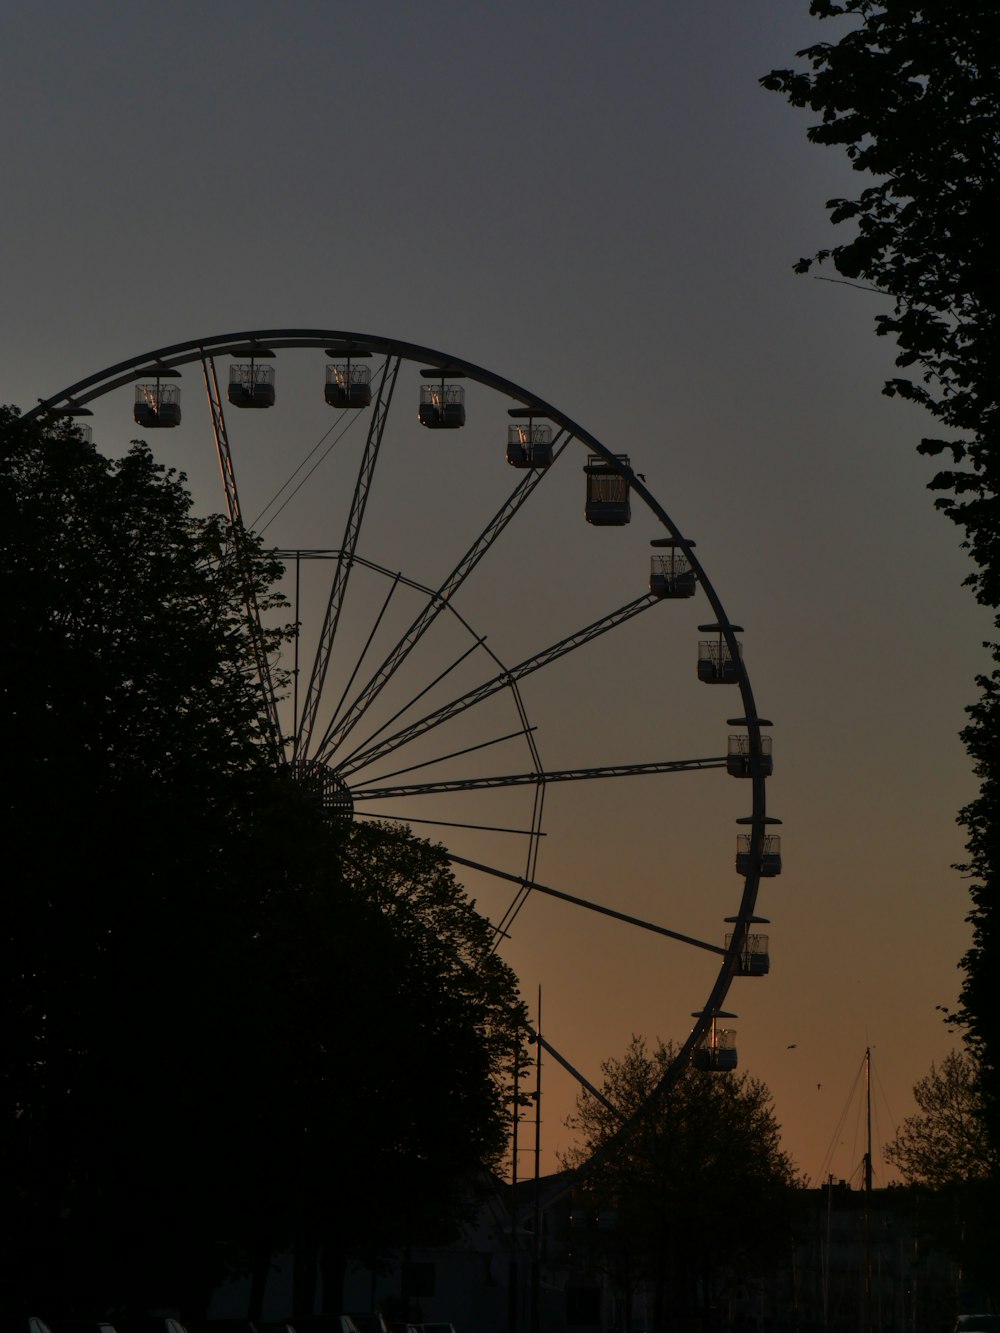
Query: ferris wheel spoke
point(337, 732)
point(575, 1073)
point(367, 754)
point(397, 579)
point(244, 558)
point(477, 643)
point(296, 479)
point(537, 779)
point(368, 642)
point(455, 754)
point(345, 558)
point(534, 887)
point(448, 823)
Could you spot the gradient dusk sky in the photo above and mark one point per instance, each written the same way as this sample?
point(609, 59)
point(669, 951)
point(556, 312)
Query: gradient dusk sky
point(596, 201)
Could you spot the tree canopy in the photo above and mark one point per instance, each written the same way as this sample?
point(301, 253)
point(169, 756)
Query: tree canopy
point(701, 1185)
point(945, 1142)
point(231, 1025)
point(945, 1155)
point(911, 92)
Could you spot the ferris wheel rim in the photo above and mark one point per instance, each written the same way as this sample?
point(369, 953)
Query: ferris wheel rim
point(73, 400)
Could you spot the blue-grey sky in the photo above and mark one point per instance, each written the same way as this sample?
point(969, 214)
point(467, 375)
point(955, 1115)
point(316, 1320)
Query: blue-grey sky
point(598, 202)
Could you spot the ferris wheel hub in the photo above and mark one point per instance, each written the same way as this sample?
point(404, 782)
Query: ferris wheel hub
point(325, 787)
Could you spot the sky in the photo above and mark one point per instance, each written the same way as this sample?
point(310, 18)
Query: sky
point(597, 202)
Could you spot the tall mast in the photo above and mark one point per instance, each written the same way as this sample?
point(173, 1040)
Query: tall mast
point(512, 1291)
point(536, 1259)
point(868, 1190)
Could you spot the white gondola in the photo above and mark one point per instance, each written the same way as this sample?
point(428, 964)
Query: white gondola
point(716, 664)
point(754, 959)
point(770, 854)
point(717, 1051)
point(607, 492)
point(442, 406)
point(742, 762)
point(157, 405)
point(670, 574)
point(348, 385)
point(251, 385)
point(529, 446)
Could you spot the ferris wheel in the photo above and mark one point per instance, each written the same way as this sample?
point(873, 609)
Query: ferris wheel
point(480, 582)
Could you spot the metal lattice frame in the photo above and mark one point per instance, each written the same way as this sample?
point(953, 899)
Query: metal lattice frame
point(345, 560)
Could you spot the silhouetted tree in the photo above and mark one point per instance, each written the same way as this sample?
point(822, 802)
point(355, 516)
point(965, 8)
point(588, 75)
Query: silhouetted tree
point(133, 740)
point(911, 91)
point(700, 1186)
point(945, 1156)
point(408, 1108)
point(229, 1024)
point(946, 1140)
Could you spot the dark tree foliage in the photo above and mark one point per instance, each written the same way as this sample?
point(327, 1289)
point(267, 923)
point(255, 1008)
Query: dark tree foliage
point(946, 1159)
point(411, 1102)
point(701, 1184)
point(131, 744)
point(945, 1142)
point(229, 1025)
point(911, 91)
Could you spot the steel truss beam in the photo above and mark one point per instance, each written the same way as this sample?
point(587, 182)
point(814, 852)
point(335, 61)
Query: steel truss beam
point(365, 756)
point(243, 563)
point(456, 754)
point(345, 559)
point(338, 731)
point(535, 887)
point(525, 779)
point(596, 1093)
point(451, 823)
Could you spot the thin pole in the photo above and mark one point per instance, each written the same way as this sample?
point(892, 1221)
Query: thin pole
point(868, 1190)
point(795, 1285)
point(512, 1265)
point(826, 1252)
point(295, 669)
point(536, 1261)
